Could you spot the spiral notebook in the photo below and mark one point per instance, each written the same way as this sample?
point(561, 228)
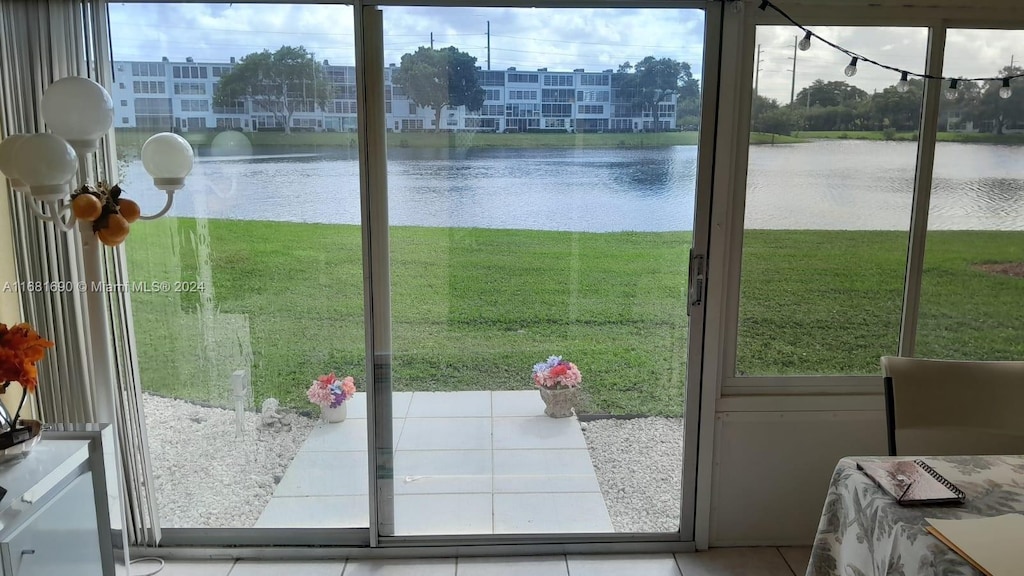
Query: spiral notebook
point(912, 482)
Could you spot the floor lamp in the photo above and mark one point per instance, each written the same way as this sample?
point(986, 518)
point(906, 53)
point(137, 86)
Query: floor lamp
point(78, 113)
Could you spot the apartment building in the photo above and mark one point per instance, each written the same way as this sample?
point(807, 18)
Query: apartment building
point(164, 95)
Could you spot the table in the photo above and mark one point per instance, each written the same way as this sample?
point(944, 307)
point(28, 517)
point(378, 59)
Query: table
point(864, 532)
point(54, 518)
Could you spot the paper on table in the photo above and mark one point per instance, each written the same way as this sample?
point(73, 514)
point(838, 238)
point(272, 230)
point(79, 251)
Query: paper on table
point(993, 545)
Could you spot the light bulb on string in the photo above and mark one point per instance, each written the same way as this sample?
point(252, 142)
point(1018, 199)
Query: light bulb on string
point(951, 92)
point(903, 85)
point(805, 42)
point(851, 68)
point(1005, 92)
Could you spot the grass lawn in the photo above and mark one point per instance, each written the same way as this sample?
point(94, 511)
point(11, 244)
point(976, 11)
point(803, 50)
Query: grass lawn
point(981, 138)
point(132, 140)
point(474, 309)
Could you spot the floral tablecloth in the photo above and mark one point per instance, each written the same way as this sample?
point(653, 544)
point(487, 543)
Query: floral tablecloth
point(863, 532)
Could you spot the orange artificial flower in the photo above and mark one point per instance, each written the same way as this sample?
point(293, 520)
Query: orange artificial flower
point(20, 348)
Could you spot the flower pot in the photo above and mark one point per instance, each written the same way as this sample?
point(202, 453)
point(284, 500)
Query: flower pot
point(559, 402)
point(331, 415)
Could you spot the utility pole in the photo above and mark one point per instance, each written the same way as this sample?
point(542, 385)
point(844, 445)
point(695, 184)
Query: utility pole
point(792, 85)
point(757, 70)
point(488, 44)
point(431, 40)
point(1011, 60)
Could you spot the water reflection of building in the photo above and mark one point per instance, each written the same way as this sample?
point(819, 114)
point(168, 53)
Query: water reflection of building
point(167, 95)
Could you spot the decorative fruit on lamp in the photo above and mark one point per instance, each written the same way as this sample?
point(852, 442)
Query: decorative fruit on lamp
point(129, 209)
point(87, 206)
point(109, 213)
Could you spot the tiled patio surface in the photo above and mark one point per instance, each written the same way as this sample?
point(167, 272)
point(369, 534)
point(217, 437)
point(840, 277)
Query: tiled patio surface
point(465, 463)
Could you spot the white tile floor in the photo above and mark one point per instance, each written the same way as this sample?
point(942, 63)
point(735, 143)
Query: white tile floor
point(465, 463)
point(716, 562)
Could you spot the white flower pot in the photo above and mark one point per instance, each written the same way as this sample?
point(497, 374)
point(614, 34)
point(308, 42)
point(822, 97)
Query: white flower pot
point(331, 415)
point(559, 402)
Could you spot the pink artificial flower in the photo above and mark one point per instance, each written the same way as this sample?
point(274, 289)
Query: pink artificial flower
point(319, 394)
point(348, 385)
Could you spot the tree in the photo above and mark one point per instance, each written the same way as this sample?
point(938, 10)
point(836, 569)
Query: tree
point(999, 111)
point(826, 94)
point(655, 80)
point(280, 83)
point(438, 78)
point(897, 110)
point(767, 116)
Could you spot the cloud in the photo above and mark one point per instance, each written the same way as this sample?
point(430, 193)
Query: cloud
point(559, 39)
point(531, 38)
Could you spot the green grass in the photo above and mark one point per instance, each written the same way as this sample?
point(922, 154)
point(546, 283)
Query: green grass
point(132, 140)
point(474, 309)
point(977, 138)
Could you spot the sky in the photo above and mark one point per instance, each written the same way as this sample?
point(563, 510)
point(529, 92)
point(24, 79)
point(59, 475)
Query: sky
point(531, 38)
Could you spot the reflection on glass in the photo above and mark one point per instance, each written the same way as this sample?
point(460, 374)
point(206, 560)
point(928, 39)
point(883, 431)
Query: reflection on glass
point(252, 286)
point(829, 188)
point(541, 204)
point(973, 278)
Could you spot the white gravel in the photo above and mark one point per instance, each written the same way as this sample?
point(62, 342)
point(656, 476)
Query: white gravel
point(206, 472)
point(639, 465)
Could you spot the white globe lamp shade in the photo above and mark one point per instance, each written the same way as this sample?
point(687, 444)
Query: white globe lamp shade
point(8, 163)
point(79, 111)
point(168, 159)
point(46, 164)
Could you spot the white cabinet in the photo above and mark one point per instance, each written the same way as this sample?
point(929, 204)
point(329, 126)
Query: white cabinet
point(51, 522)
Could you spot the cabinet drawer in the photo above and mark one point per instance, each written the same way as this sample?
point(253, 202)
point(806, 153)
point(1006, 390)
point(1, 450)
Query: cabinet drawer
point(60, 538)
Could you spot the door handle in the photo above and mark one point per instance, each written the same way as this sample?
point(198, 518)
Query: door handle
point(695, 290)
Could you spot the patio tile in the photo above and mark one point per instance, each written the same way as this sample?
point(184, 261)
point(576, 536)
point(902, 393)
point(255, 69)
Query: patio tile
point(544, 471)
point(347, 436)
point(513, 566)
point(517, 403)
point(443, 514)
point(446, 434)
point(276, 568)
point(544, 513)
point(420, 567)
point(618, 564)
point(450, 405)
point(325, 474)
point(734, 562)
point(316, 512)
point(442, 471)
point(537, 432)
point(399, 404)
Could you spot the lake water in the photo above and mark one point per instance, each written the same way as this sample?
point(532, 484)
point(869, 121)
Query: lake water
point(838, 184)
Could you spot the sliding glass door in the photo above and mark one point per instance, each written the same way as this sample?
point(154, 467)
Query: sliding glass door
point(485, 217)
point(542, 169)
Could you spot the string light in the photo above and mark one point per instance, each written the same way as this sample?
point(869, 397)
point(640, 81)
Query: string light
point(951, 92)
point(904, 84)
point(1005, 92)
point(805, 42)
point(851, 68)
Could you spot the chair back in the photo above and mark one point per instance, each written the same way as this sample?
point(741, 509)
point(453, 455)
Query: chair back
point(952, 407)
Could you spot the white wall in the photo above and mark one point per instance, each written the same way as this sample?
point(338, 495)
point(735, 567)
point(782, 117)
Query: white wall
point(773, 461)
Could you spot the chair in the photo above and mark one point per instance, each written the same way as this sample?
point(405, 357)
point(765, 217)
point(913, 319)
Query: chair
point(949, 407)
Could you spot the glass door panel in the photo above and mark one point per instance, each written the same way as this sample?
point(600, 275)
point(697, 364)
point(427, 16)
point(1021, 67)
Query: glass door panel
point(541, 183)
point(973, 279)
point(830, 182)
point(251, 287)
